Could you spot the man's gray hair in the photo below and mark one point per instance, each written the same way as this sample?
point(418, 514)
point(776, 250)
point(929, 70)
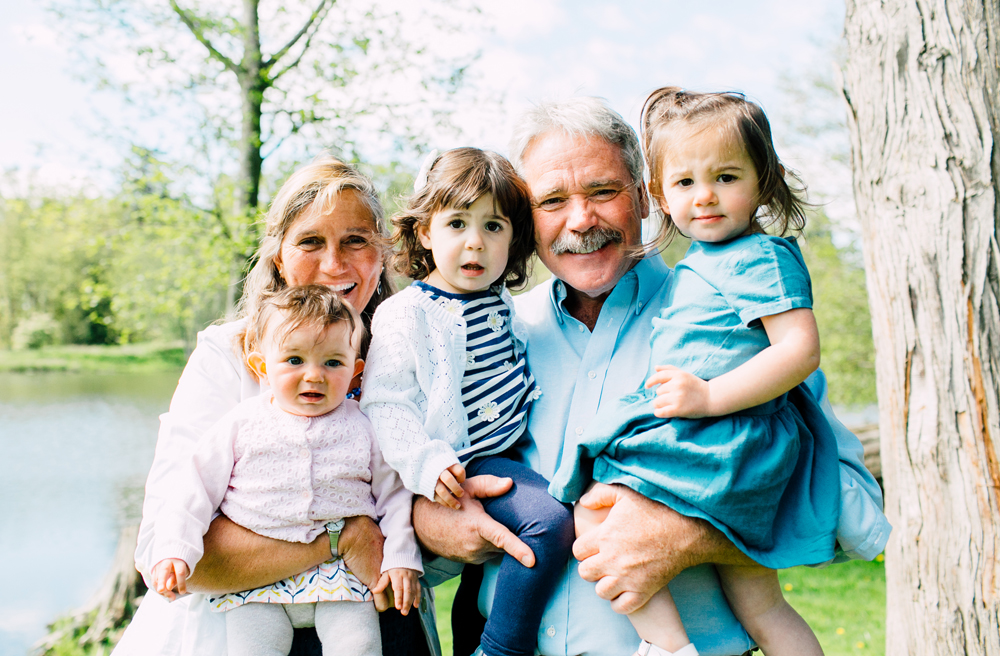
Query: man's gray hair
point(583, 116)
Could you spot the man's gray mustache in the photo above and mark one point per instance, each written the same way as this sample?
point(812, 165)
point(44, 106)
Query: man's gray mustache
point(586, 242)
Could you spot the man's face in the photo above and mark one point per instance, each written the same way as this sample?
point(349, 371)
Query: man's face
point(587, 211)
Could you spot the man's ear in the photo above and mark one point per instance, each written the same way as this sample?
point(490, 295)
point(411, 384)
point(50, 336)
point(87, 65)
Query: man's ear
point(643, 202)
point(256, 362)
point(359, 366)
point(424, 235)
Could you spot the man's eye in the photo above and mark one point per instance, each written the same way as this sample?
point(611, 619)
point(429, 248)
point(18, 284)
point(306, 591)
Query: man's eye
point(294, 360)
point(727, 177)
point(550, 203)
point(604, 194)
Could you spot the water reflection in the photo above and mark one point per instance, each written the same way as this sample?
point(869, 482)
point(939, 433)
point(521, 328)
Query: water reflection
point(74, 453)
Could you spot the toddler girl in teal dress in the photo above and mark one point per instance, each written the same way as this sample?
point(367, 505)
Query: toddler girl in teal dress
point(721, 429)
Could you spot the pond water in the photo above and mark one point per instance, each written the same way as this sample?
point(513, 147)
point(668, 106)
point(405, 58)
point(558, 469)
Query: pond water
point(74, 453)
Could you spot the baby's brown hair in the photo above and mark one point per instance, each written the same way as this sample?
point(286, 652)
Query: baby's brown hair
point(294, 307)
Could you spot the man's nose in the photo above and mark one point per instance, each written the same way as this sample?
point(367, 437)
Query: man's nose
point(581, 215)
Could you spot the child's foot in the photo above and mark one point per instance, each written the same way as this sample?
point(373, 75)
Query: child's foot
point(648, 649)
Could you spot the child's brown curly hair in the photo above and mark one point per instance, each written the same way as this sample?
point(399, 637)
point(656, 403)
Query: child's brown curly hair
point(456, 179)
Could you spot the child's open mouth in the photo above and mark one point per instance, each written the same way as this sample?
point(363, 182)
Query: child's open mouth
point(312, 396)
point(472, 267)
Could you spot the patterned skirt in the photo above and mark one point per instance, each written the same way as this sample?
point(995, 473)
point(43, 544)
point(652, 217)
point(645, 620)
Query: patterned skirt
point(330, 581)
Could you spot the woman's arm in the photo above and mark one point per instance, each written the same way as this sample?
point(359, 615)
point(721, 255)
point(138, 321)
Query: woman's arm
point(237, 559)
point(787, 362)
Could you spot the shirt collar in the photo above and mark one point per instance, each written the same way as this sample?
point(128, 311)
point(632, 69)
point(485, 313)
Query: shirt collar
point(649, 273)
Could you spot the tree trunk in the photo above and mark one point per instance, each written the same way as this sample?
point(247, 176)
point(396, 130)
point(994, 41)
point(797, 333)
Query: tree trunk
point(921, 84)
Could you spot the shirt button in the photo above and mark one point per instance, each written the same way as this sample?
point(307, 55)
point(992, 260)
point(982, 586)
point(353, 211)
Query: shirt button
point(580, 327)
point(591, 375)
point(551, 631)
point(304, 494)
point(579, 430)
point(304, 453)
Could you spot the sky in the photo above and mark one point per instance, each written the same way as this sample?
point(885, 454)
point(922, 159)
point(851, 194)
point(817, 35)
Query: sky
point(532, 50)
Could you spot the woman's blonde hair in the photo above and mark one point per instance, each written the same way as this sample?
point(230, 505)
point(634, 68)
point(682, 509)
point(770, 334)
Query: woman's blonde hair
point(317, 184)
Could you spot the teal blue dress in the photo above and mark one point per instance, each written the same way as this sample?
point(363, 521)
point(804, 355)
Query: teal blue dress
point(767, 477)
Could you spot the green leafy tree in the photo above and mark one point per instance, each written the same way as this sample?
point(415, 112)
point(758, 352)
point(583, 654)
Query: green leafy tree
point(249, 79)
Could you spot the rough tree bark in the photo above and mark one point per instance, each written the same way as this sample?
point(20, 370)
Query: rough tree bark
point(921, 83)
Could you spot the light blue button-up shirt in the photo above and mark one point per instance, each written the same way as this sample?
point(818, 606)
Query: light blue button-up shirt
point(577, 371)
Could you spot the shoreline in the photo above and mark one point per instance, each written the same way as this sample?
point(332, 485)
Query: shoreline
point(146, 357)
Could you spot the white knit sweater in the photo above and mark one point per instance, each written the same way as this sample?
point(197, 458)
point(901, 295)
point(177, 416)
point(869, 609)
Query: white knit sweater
point(412, 389)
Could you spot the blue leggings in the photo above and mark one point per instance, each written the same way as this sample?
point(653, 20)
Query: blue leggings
point(546, 526)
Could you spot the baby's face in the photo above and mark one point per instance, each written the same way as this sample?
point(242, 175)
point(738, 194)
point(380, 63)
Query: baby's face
point(310, 372)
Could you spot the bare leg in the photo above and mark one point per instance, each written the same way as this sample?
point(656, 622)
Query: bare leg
point(658, 621)
point(755, 596)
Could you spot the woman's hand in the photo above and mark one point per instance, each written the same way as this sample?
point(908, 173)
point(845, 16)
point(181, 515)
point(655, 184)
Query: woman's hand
point(642, 545)
point(468, 535)
point(360, 546)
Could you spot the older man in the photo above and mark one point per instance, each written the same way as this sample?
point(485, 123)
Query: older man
point(589, 331)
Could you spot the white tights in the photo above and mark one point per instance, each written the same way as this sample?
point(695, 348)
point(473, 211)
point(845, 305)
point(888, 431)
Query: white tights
point(344, 627)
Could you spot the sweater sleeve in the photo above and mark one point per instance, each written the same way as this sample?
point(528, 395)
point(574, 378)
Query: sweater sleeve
point(184, 517)
point(396, 405)
point(211, 385)
point(393, 505)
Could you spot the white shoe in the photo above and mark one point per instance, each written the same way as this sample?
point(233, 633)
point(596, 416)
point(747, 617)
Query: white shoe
point(649, 649)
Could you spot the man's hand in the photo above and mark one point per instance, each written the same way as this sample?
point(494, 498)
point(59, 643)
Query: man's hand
point(468, 535)
point(679, 394)
point(642, 545)
point(170, 577)
point(449, 487)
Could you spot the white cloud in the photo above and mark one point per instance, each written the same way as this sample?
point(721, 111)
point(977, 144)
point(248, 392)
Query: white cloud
point(34, 34)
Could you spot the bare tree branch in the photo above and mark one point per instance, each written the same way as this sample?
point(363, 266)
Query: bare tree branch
point(198, 34)
point(317, 17)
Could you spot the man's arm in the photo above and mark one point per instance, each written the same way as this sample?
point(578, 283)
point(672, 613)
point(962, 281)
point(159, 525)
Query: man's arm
point(237, 559)
point(643, 545)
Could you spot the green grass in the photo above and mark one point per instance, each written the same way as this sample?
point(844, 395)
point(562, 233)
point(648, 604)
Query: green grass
point(844, 604)
point(130, 358)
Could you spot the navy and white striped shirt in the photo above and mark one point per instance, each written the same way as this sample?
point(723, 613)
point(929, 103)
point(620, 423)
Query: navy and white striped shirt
point(497, 387)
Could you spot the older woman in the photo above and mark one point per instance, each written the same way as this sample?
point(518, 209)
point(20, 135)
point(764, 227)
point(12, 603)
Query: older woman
point(323, 227)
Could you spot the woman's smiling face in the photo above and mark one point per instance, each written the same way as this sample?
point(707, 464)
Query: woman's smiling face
point(338, 248)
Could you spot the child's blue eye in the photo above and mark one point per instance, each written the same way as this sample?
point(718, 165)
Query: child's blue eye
point(334, 363)
point(294, 360)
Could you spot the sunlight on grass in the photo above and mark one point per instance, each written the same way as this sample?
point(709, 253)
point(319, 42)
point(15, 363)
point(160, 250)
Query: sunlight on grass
point(844, 604)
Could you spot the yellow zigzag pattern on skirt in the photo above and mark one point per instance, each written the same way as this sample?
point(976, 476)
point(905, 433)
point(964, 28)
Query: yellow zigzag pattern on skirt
point(330, 581)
